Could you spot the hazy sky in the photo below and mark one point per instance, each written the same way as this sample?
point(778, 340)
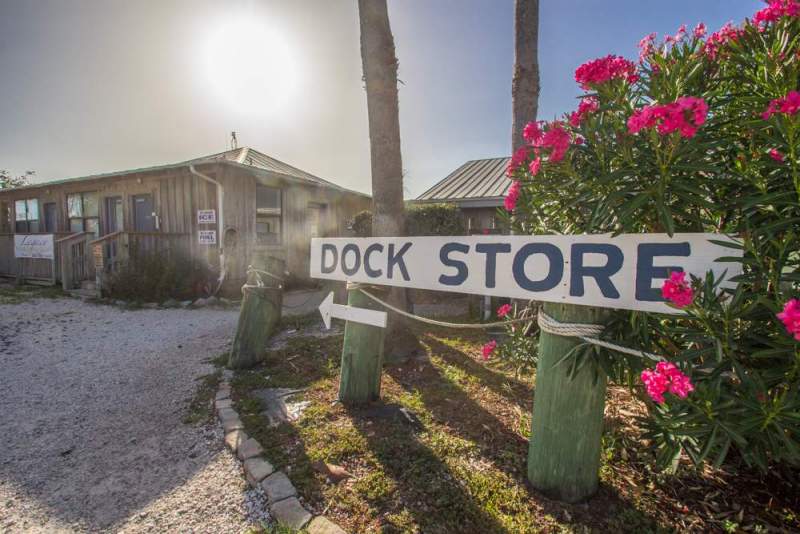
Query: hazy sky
point(100, 86)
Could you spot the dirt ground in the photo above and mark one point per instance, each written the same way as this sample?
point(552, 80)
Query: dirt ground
point(92, 406)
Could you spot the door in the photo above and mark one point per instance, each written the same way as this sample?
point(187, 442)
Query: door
point(50, 217)
point(144, 215)
point(113, 215)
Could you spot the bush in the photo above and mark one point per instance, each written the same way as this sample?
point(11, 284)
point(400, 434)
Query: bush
point(421, 219)
point(702, 135)
point(157, 277)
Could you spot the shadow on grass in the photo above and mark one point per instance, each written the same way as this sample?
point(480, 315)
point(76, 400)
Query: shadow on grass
point(424, 484)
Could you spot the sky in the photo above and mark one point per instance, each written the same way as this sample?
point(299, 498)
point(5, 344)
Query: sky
point(106, 85)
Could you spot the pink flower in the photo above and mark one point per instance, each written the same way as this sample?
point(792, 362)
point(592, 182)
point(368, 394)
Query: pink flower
point(557, 139)
point(517, 160)
point(720, 38)
point(646, 46)
point(535, 165)
point(588, 105)
point(790, 316)
point(510, 201)
point(666, 377)
point(504, 310)
point(603, 69)
point(777, 156)
point(685, 115)
point(788, 105)
point(531, 133)
point(677, 290)
point(488, 349)
point(699, 31)
point(776, 10)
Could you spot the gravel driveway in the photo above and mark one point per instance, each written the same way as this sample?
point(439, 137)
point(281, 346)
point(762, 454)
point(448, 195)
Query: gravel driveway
point(91, 439)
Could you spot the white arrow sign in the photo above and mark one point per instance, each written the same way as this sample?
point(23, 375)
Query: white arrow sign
point(359, 315)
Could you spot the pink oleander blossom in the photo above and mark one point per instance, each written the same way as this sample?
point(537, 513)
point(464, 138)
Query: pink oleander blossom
point(504, 310)
point(699, 31)
point(557, 140)
point(677, 290)
point(647, 46)
point(510, 202)
point(685, 115)
point(601, 70)
point(535, 166)
point(717, 40)
point(776, 10)
point(788, 105)
point(488, 349)
point(777, 156)
point(587, 105)
point(666, 377)
point(532, 133)
point(790, 316)
point(517, 159)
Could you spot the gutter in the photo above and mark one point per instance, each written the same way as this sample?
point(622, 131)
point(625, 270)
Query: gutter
point(220, 222)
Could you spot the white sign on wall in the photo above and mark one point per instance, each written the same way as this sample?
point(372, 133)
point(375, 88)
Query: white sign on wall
point(34, 246)
point(624, 272)
point(206, 217)
point(207, 237)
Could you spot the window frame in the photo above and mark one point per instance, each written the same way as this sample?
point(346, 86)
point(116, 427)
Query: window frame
point(82, 217)
point(27, 221)
point(268, 215)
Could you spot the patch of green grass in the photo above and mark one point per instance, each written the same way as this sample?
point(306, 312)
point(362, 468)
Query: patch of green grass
point(299, 322)
point(201, 409)
point(220, 361)
point(19, 294)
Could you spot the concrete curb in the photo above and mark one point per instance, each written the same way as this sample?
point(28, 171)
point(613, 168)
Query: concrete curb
point(284, 506)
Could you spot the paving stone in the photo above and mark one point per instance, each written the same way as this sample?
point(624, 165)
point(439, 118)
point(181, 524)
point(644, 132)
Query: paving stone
point(235, 439)
point(249, 449)
point(224, 403)
point(278, 487)
point(227, 413)
point(323, 525)
point(256, 470)
point(291, 513)
point(223, 394)
point(232, 423)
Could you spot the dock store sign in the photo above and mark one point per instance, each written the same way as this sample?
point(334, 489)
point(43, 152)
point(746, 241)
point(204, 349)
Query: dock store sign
point(38, 246)
point(623, 272)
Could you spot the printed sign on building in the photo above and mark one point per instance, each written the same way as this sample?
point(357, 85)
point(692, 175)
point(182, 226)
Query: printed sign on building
point(207, 237)
point(623, 272)
point(34, 246)
point(206, 217)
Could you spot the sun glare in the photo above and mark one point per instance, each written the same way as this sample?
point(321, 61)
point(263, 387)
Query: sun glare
point(249, 65)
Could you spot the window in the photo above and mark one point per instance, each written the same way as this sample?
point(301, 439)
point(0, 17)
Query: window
point(83, 212)
point(268, 215)
point(27, 216)
point(5, 217)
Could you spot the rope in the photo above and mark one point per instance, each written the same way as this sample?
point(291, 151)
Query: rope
point(251, 269)
point(434, 321)
point(588, 333)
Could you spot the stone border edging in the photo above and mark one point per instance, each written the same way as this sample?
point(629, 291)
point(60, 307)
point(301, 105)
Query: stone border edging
point(284, 506)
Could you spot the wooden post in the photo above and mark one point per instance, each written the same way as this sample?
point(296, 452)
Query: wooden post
point(258, 318)
point(567, 423)
point(362, 355)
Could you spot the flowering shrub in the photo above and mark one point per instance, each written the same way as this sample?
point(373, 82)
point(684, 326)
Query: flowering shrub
point(702, 135)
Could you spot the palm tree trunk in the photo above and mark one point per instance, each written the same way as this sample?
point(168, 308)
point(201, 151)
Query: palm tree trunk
point(380, 76)
point(525, 84)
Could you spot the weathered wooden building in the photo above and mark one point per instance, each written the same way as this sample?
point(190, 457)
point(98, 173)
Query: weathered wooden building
point(231, 209)
point(478, 188)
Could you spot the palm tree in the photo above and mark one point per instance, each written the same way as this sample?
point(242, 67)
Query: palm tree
point(380, 76)
point(525, 84)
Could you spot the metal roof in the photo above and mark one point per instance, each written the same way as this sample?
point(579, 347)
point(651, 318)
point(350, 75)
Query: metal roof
point(243, 157)
point(474, 180)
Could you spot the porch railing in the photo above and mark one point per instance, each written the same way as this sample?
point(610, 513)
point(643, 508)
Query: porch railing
point(76, 260)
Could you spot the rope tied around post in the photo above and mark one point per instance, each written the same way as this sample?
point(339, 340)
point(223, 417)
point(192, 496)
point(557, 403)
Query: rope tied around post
point(587, 333)
point(259, 283)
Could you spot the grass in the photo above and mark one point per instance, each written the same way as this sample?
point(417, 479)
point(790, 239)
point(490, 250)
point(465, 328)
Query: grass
point(10, 294)
point(200, 409)
point(462, 467)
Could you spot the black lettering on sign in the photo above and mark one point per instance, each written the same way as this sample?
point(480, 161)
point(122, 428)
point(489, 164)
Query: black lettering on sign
point(397, 259)
point(327, 269)
point(372, 273)
point(350, 247)
point(460, 266)
point(602, 275)
point(491, 250)
point(554, 275)
point(646, 271)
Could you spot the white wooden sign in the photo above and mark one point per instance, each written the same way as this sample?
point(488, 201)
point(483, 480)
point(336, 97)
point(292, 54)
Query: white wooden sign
point(34, 246)
point(206, 217)
point(329, 309)
point(207, 237)
point(624, 272)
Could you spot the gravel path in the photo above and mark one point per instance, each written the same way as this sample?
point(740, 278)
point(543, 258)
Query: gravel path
point(91, 403)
